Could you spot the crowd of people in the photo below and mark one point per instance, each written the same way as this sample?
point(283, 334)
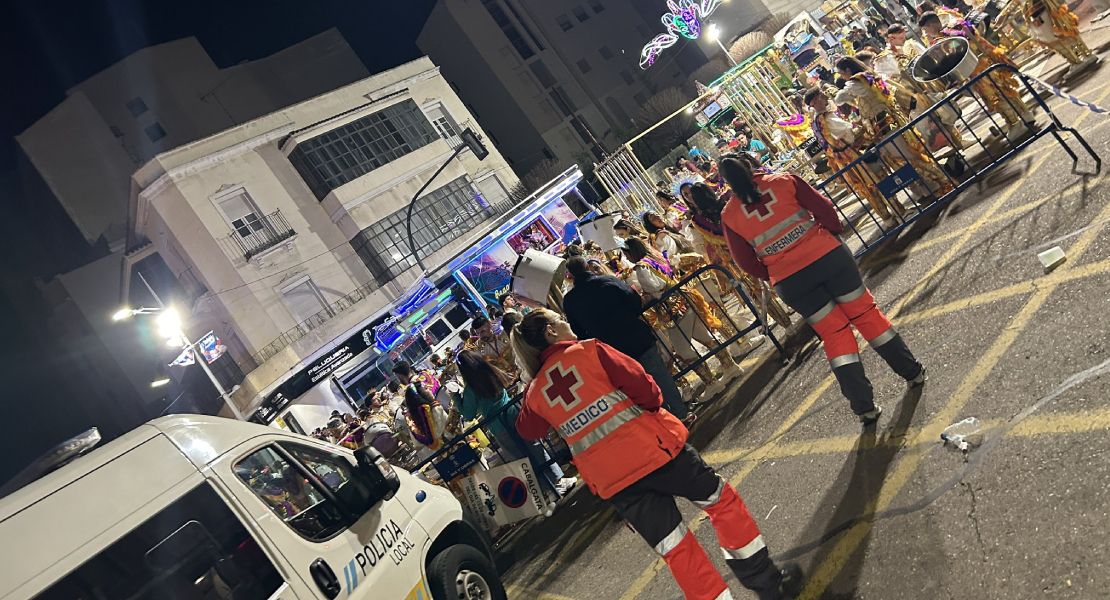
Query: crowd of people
point(595, 367)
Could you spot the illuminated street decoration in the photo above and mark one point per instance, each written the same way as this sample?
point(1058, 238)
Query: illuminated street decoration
point(684, 21)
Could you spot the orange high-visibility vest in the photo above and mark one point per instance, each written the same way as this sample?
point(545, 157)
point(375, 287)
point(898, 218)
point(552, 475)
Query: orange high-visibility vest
point(613, 440)
point(784, 234)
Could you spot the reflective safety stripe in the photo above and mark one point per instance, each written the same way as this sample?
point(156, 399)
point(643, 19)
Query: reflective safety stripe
point(852, 295)
point(823, 312)
point(777, 230)
point(747, 551)
point(672, 540)
point(840, 361)
point(883, 338)
point(786, 240)
point(725, 595)
point(715, 498)
point(608, 426)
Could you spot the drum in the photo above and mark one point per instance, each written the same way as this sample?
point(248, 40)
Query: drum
point(534, 273)
point(599, 230)
point(949, 61)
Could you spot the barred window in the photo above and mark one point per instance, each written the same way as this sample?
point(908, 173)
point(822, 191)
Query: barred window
point(437, 219)
point(346, 153)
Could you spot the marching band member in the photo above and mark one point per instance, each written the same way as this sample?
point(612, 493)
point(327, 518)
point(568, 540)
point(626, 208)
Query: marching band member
point(842, 145)
point(878, 103)
point(1057, 28)
point(654, 277)
point(1002, 96)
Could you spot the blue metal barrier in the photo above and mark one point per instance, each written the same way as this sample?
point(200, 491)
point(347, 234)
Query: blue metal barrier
point(893, 178)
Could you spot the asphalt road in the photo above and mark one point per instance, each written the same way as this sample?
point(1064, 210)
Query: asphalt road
point(891, 513)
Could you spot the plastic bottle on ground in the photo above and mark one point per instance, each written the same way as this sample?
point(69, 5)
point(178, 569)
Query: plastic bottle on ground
point(963, 435)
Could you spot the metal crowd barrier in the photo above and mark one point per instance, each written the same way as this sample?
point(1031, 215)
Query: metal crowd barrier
point(889, 171)
point(676, 307)
point(506, 416)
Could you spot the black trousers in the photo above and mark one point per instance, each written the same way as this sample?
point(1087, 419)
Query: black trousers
point(649, 506)
point(831, 295)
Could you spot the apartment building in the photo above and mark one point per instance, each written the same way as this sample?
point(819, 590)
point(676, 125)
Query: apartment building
point(561, 79)
point(287, 233)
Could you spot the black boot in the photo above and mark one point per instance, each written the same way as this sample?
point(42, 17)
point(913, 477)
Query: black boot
point(894, 351)
point(759, 574)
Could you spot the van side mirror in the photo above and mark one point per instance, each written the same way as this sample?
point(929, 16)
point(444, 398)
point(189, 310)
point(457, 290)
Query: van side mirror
point(379, 474)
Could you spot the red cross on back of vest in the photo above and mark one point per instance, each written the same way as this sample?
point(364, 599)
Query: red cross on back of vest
point(762, 210)
point(563, 386)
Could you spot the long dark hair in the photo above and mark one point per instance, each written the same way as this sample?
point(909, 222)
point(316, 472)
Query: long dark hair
point(415, 397)
point(485, 380)
point(706, 202)
point(636, 249)
point(626, 224)
point(852, 64)
point(738, 175)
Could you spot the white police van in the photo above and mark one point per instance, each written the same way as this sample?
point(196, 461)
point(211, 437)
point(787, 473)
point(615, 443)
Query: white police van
point(203, 508)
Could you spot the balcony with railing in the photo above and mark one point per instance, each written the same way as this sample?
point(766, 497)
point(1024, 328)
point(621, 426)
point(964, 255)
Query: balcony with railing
point(450, 132)
point(255, 234)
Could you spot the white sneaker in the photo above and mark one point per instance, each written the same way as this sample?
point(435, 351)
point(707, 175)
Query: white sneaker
point(732, 372)
point(713, 389)
point(565, 485)
point(869, 418)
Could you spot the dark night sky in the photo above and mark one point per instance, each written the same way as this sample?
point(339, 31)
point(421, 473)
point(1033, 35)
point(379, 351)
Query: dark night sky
point(46, 48)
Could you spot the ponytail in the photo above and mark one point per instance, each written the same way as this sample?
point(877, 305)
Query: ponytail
point(529, 340)
point(738, 175)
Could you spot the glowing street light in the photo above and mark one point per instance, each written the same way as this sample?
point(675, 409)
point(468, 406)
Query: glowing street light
point(715, 35)
point(169, 327)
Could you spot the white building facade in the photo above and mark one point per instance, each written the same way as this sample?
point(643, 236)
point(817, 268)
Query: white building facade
point(289, 229)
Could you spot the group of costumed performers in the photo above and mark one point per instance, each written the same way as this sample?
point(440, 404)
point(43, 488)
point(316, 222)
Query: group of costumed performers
point(1057, 28)
point(883, 109)
point(1001, 95)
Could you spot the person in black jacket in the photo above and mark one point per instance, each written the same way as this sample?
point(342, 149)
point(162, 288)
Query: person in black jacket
point(607, 309)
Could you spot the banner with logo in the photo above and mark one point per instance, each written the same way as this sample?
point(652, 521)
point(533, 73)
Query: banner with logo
point(505, 494)
point(211, 347)
point(184, 359)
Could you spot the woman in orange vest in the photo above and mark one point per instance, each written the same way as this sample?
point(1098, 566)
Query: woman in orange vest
point(781, 229)
point(633, 452)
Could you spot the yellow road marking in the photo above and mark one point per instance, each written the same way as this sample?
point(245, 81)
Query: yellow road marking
point(1038, 424)
point(1071, 190)
point(831, 566)
point(645, 578)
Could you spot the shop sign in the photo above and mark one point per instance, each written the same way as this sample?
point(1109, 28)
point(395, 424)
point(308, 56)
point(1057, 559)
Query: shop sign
point(312, 374)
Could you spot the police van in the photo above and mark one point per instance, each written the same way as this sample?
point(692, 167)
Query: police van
point(204, 508)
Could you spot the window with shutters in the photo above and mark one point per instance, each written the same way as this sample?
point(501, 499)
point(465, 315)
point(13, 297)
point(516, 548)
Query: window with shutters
point(305, 302)
point(564, 22)
point(581, 14)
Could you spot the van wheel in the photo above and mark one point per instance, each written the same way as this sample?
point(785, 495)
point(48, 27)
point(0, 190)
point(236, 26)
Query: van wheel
point(462, 572)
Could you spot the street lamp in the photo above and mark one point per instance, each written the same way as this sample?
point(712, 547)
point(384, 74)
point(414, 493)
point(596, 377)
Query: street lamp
point(715, 35)
point(169, 327)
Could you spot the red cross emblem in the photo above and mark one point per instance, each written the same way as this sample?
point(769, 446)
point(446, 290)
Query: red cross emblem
point(563, 386)
point(762, 210)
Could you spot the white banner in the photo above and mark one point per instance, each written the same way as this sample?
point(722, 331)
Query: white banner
point(505, 494)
